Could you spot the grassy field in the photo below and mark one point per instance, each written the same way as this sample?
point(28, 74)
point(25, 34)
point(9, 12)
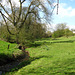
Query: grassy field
point(52, 57)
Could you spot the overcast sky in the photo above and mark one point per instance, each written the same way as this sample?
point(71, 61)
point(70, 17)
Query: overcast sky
point(66, 13)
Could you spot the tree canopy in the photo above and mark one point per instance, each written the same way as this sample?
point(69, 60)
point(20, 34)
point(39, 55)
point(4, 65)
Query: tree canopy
point(15, 14)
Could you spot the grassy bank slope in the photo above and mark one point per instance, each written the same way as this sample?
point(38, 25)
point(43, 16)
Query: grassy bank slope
point(56, 58)
point(6, 55)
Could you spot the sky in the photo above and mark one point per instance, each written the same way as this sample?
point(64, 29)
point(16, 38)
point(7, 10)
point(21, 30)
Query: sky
point(66, 13)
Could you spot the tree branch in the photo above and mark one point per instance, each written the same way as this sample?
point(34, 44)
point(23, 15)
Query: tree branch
point(6, 17)
point(5, 10)
point(26, 14)
point(13, 18)
point(6, 23)
point(20, 11)
point(23, 1)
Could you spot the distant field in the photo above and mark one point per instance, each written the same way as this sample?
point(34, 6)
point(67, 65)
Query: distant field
point(52, 57)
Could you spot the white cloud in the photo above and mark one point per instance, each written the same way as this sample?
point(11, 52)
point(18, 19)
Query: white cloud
point(64, 11)
point(43, 1)
point(71, 26)
point(14, 2)
point(53, 27)
point(71, 0)
point(65, 15)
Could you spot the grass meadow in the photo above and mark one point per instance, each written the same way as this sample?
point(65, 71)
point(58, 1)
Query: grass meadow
point(51, 57)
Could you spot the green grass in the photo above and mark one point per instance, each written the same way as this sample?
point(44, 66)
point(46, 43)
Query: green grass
point(52, 57)
point(4, 47)
point(6, 55)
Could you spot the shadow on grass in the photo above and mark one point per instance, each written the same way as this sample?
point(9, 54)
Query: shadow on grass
point(25, 63)
point(35, 44)
point(69, 41)
point(4, 59)
point(9, 58)
point(48, 42)
point(70, 73)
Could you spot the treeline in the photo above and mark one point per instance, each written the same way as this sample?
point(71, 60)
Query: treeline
point(61, 30)
point(60, 33)
point(32, 31)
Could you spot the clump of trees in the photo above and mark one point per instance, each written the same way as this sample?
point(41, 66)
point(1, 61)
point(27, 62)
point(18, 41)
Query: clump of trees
point(48, 34)
point(31, 31)
point(62, 30)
